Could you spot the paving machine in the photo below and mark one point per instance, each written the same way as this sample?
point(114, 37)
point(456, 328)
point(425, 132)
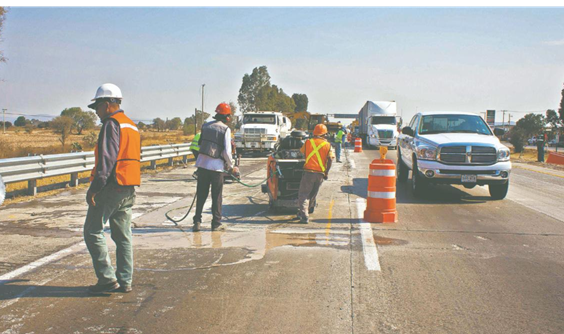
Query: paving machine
point(284, 173)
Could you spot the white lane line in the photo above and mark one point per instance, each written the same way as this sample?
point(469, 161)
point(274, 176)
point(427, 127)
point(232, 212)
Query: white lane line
point(371, 259)
point(43, 261)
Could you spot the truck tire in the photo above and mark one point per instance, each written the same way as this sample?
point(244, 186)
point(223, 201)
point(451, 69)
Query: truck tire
point(498, 191)
point(419, 184)
point(403, 171)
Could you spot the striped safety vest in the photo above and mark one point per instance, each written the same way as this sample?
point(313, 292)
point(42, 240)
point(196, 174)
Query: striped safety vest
point(128, 165)
point(316, 151)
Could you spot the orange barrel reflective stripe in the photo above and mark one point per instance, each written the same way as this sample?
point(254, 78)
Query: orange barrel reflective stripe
point(318, 164)
point(358, 145)
point(128, 165)
point(381, 199)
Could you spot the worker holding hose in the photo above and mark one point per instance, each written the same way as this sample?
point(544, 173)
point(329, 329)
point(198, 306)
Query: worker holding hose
point(214, 158)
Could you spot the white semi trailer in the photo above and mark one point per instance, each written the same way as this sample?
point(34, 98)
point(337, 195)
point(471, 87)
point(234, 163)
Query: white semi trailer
point(378, 124)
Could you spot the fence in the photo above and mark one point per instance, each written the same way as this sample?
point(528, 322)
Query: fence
point(31, 169)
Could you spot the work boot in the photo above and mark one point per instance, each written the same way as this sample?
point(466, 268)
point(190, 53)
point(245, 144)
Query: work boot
point(304, 220)
point(123, 289)
point(196, 227)
point(218, 228)
point(100, 289)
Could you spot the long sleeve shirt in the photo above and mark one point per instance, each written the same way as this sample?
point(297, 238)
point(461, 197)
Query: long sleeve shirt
point(108, 149)
point(219, 164)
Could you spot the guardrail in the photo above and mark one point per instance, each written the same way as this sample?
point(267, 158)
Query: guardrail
point(31, 169)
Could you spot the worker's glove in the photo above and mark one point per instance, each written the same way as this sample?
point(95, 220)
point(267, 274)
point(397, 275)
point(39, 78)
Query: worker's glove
point(325, 177)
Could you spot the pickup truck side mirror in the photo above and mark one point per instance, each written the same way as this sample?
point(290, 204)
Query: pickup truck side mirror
point(407, 131)
point(499, 132)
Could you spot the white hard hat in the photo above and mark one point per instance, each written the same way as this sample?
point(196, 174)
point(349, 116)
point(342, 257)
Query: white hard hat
point(108, 90)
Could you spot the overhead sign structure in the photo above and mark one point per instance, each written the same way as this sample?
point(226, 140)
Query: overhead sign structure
point(490, 117)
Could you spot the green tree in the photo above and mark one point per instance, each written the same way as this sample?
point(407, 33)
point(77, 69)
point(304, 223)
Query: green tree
point(82, 120)
point(20, 121)
point(175, 123)
point(141, 126)
point(301, 102)
point(250, 88)
point(62, 125)
point(3, 11)
point(561, 109)
point(553, 119)
point(272, 98)
point(159, 124)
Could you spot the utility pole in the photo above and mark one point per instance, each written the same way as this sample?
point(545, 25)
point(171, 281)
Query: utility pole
point(503, 120)
point(4, 119)
point(195, 121)
point(203, 85)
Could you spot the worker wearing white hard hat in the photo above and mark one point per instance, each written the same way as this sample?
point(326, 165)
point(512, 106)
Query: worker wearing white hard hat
point(117, 170)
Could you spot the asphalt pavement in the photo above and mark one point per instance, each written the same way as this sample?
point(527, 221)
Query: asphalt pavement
point(455, 262)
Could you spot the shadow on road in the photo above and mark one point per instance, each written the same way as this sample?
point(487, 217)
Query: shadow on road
point(41, 291)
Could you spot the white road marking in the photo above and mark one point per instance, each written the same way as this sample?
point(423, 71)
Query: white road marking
point(36, 264)
point(371, 259)
point(351, 161)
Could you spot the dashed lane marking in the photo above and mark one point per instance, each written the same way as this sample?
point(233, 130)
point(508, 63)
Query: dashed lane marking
point(371, 259)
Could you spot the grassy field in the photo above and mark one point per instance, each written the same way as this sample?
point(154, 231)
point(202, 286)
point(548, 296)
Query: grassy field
point(21, 144)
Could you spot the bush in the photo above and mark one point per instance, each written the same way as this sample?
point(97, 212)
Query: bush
point(29, 129)
point(90, 139)
point(518, 139)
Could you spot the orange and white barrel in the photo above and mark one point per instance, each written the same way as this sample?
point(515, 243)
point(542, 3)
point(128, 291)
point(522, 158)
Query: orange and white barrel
point(358, 145)
point(381, 199)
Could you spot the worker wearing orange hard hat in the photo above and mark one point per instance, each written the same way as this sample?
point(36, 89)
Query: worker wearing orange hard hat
point(214, 158)
point(319, 155)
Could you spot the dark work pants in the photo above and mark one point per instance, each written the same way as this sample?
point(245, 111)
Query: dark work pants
point(205, 179)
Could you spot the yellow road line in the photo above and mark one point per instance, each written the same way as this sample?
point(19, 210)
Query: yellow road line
point(328, 227)
point(533, 170)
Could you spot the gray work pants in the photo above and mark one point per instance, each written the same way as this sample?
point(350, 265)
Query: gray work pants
point(309, 187)
point(113, 204)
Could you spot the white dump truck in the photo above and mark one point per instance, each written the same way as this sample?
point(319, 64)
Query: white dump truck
point(378, 124)
point(260, 131)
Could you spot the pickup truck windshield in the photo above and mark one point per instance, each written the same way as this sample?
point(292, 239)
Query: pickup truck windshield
point(259, 119)
point(432, 124)
point(383, 120)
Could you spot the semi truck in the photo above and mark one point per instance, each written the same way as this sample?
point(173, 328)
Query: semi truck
point(260, 131)
point(378, 124)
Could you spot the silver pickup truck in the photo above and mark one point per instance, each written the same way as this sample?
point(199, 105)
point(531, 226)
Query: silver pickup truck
point(453, 148)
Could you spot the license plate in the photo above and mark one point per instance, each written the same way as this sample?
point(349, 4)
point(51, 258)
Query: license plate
point(469, 178)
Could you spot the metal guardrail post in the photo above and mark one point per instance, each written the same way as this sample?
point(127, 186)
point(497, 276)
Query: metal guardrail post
point(171, 162)
point(154, 164)
point(74, 180)
point(32, 187)
point(184, 159)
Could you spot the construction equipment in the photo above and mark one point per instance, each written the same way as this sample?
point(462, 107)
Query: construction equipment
point(284, 173)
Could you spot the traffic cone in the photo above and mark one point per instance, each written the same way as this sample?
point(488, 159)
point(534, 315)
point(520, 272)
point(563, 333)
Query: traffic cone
point(358, 145)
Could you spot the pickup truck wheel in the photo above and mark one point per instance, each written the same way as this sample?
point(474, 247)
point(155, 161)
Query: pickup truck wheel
point(403, 171)
point(498, 191)
point(418, 183)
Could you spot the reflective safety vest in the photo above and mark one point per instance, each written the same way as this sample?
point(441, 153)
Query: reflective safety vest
point(316, 152)
point(339, 137)
point(195, 146)
point(128, 164)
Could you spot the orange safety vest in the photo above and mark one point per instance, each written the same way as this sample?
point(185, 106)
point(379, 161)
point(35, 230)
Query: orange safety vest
point(316, 151)
point(128, 165)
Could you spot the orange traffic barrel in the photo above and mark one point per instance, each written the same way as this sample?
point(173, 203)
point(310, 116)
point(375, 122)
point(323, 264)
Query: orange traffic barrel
point(358, 145)
point(381, 199)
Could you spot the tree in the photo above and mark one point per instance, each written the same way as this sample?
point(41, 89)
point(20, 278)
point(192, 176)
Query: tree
point(531, 124)
point(159, 124)
point(3, 11)
point(82, 120)
point(20, 121)
point(62, 126)
point(274, 99)
point(233, 122)
point(301, 102)
point(553, 119)
point(141, 126)
point(175, 123)
point(8, 124)
point(250, 88)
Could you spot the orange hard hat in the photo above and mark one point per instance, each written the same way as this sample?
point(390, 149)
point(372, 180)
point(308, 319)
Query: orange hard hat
point(223, 109)
point(319, 130)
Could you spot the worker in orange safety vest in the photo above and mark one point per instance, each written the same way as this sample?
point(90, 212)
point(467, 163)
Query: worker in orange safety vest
point(319, 155)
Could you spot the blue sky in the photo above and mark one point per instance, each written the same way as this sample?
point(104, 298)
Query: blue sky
point(467, 59)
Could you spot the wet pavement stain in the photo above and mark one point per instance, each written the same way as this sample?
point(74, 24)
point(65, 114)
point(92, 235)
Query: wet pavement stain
point(381, 241)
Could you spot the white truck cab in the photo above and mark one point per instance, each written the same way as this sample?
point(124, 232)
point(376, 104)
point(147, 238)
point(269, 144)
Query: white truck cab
point(453, 148)
point(261, 130)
